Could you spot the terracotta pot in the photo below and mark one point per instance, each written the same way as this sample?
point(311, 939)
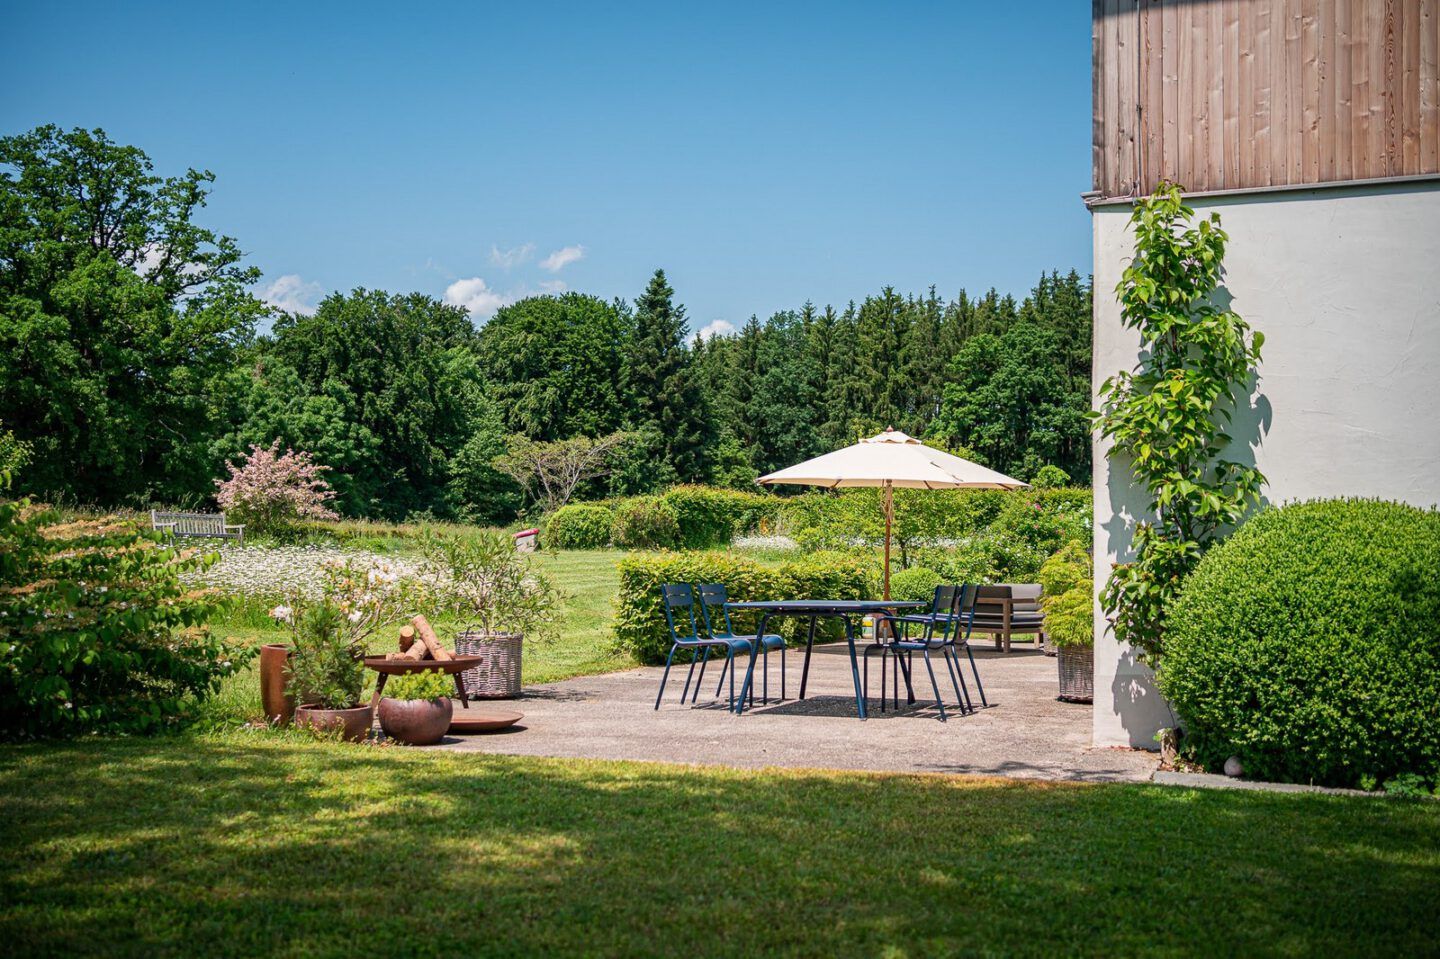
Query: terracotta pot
point(275, 698)
point(353, 723)
point(416, 722)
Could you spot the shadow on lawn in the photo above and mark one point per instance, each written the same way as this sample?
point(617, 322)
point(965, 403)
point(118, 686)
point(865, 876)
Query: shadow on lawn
point(267, 847)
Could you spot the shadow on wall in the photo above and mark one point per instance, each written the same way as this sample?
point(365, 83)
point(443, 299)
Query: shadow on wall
point(1136, 699)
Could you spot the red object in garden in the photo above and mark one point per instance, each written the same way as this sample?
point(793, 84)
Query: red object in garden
point(525, 540)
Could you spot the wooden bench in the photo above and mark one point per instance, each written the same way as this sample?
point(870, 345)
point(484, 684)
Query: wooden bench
point(1005, 609)
point(196, 525)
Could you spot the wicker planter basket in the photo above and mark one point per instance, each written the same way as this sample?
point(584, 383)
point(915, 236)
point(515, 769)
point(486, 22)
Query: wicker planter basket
point(498, 675)
point(1077, 674)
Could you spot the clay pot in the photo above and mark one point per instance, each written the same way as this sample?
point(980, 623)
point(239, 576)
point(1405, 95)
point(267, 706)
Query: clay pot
point(275, 698)
point(353, 723)
point(416, 722)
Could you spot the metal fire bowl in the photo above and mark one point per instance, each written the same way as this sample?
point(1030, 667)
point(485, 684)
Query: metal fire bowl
point(483, 720)
point(395, 667)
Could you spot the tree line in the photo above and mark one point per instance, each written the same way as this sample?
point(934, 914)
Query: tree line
point(134, 363)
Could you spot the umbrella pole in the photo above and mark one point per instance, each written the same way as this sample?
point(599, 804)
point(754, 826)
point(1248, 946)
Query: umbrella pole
point(889, 516)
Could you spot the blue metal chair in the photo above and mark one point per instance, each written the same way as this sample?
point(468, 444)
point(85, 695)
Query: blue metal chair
point(965, 621)
point(950, 611)
point(677, 597)
point(717, 623)
point(942, 604)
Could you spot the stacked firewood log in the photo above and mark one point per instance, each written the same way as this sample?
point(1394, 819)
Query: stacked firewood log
point(419, 642)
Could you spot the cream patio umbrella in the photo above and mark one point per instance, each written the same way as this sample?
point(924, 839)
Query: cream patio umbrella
point(891, 460)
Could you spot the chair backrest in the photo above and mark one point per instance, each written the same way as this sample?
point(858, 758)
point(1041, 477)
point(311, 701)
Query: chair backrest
point(675, 597)
point(712, 607)
point(964, 614)
point(942, 608)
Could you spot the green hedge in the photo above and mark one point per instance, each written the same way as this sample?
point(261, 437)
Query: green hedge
point(579, 526)
point(640, 621)
point(710, 517)
point(645, 522)
point(1041, 518)
point(1307, 645)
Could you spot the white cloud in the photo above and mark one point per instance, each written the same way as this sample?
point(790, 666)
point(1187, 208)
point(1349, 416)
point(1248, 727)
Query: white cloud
point(476, 297)
point(552, 286)
point(714, 327)
point(562, 258)
point(292, 294)
point(149, 260)
point(513, 257)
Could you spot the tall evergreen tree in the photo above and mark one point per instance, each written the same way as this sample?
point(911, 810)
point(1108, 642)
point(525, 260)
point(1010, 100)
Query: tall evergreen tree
point(664, 391)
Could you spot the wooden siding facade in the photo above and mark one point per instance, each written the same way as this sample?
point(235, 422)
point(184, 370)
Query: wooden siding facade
point(1246, 94)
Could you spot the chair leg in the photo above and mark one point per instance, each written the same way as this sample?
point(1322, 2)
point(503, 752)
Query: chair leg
point(723, 670)
point(694, 658)
point(730, 666)
point(978, 685)
point(699, 680)
point(765, 680)
point(883, 657)
point(865, 674)
point(782, 674)
point(962, 691)
point(664, 676)
point(939, 703)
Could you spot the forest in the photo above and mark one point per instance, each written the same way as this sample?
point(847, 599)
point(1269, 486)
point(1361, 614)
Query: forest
point(136, 362)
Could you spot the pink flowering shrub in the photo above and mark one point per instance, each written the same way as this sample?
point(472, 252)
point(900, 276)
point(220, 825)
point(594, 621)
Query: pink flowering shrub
point(271, 488)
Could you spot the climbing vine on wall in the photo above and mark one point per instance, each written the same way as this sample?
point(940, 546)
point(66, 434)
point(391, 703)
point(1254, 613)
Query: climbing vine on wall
point(1168, 417)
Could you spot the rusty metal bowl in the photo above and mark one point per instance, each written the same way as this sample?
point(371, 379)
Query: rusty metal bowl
point(396, 667)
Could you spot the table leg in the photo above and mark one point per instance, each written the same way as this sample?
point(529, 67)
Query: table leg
point(375, 699)
point(809, 645)
point(460, 688)
point(750, 668)
point(854, 665)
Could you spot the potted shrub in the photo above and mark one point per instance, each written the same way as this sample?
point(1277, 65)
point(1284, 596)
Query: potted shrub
point(499, 598)
point(1069, 601)
point(328, 634)
point(416, 709)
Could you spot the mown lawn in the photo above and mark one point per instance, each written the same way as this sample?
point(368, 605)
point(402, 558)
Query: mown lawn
point(588, 582)
point(262, 844)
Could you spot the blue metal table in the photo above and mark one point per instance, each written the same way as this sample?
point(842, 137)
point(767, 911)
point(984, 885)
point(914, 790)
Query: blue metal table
point(845, 610)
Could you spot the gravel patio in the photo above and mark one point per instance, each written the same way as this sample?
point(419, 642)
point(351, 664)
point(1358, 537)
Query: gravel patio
point(1025, 732)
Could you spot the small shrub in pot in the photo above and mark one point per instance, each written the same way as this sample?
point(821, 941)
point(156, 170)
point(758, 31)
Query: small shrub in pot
point(499, 597)
point(328, 634)
point(416, 709)
point(1068, 590)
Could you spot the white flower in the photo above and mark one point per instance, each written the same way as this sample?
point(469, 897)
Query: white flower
point(282, 613)
point(356, 616)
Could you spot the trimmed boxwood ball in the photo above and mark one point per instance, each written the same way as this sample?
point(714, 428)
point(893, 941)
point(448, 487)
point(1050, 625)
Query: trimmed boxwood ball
point(915, 583)
point(1308, 645)
point(579, 526)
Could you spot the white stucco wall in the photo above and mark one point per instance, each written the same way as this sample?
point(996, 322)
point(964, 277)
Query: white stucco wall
point(1345, 285)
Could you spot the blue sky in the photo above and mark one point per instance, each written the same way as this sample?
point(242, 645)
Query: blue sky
point(762, 154)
